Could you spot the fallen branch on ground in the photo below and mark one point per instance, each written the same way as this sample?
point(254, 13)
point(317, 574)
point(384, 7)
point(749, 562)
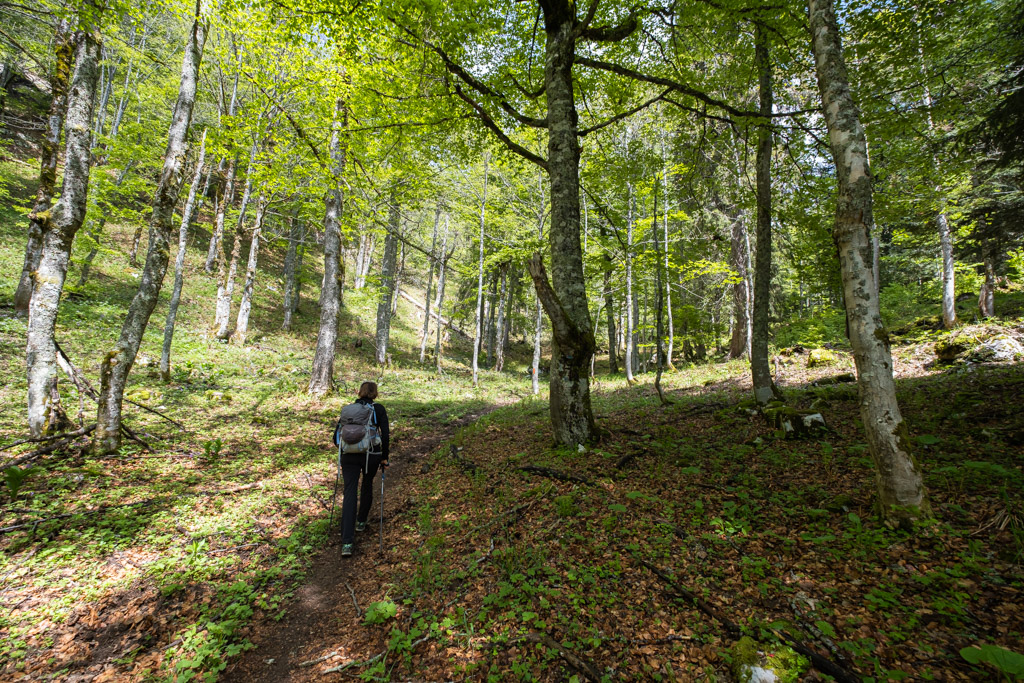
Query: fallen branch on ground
point(819, 662)
point(585, 667)
point(554, 474)
point(359, 612)
point(49, 448)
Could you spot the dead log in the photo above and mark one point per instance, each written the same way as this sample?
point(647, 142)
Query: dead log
point(554, 474)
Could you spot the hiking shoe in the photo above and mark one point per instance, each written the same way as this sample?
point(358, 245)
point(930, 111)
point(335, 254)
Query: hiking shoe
point(346, 550)
point(360, 526)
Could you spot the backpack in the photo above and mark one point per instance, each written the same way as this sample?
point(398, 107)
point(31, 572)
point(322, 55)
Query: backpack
point(357, 430)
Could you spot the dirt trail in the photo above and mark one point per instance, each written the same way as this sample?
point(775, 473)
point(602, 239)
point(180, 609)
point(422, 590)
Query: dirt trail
point(322, 618)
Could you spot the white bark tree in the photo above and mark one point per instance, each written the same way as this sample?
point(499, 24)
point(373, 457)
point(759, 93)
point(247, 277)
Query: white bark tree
point(901, 493)
point(117, 362)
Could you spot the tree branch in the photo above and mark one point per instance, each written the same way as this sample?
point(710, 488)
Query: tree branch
point(625, 114)
point(505, 139)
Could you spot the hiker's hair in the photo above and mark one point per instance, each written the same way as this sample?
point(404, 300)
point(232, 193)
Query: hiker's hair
point(368, 390)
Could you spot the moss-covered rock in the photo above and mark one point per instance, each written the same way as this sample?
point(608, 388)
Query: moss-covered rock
point(754, 662)
point(793, 422)
point(819, 357)
point(948, 350)
point(999, 349)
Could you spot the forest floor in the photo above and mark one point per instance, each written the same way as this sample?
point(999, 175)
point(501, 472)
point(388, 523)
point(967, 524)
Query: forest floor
point(691, 538)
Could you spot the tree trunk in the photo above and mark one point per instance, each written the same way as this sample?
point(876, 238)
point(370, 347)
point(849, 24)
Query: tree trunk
point(321, 380)
point(901, 492)
point(430, 283)
point(387, 281)
point(948, 281)
point(986, 298)
point(876, 263)
point(480, 284)
point(658, 297)
point(191, 207)
point(500, 331)
point(215, 254)
point(572, 417)
point(227, 269)
point(245, 306)
point(59, 226)
point(667, 280)
point(441, 279)
point(118, 362)
point(761, 374)
point(49, 150)
point(609, 306)
point(491, 316)
point(630, 360)
point(738, 260)
point(290, 259)
point(227, 193)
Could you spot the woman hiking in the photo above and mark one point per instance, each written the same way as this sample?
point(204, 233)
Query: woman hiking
point(361, 462)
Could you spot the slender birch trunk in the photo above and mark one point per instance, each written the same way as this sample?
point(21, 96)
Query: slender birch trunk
point(388, 281)
point(227, 194)
point(245, 306)
point(477, 339)
point(658, 298)
point(290, 258)
point(191, 206)
point(321, 379)
point(441, 279)
point(901, 493)
point(499, 346)
point(59, 226)
point(740, 295)
point(630, 305)
point(430, 284)
point(760, 370)
point(986, 297)
point(49, 150)
point(117, 363)
point(667, 280)
point(228, 268)
point(539, 318)
point(609, 306)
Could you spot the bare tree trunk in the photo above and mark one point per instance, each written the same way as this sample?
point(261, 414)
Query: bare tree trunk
point(764, 387)
point(658, 297)
point(986, 298)
point(300, 253)
point(572, 417)
point(901, 492)
point(667, 279)
point(738, 260)
point(399, 271)
point(500, 332)
point(290, 258)
point(49, 151)
point(118, 362)
point(491, 330)
point(245, 306)
point(226, 195)
point(191, 205)
point(948, 274)
point(480, 283)
point(609, 306)
point(430, 284)
point(630, 360)
point(321, 379)
point(59, 226)
point(227, 269)
point(387, 284)
point(441, 279)
point(876, 263)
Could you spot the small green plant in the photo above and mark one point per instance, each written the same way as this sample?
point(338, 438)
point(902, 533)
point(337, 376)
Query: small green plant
point(15, 478)
point(1009, 663)
point(211, 449)
point(379, 612)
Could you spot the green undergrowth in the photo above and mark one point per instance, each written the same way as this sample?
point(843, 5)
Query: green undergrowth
point(506, 569)
point(169, 553)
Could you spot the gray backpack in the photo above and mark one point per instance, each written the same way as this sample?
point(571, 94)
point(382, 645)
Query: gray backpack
point(357, 430)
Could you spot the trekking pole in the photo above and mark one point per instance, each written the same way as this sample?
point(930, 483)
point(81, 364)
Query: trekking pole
point(382, 509)
point(334, 498)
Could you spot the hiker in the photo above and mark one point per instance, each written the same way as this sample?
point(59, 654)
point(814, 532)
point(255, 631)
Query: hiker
point(366, 463)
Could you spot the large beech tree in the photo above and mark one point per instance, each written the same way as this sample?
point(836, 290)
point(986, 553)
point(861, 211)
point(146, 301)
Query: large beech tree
point(901, 493)
point(117, 363)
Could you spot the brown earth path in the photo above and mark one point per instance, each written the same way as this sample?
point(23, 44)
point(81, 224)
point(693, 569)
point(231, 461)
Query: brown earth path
point(322, 620)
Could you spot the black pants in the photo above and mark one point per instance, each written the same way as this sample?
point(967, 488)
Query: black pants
point(352, 466)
